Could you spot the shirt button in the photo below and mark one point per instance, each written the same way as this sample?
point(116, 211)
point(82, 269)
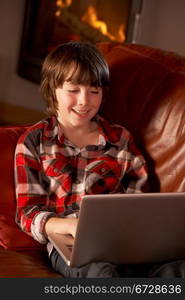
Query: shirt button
point(103, 169)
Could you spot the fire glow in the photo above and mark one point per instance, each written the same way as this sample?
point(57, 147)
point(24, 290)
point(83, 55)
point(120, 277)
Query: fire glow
point(90, 17)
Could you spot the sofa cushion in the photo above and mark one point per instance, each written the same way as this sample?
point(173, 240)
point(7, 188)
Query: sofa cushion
point(147, 96)
point(11, 237)
point(30, 264)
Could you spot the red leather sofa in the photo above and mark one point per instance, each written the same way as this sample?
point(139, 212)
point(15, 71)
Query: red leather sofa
point(147, 96)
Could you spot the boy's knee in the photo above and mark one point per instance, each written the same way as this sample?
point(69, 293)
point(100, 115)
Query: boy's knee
point(96, 270)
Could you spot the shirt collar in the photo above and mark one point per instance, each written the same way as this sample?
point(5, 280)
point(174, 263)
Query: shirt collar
point(109, 131)
point(106, 132)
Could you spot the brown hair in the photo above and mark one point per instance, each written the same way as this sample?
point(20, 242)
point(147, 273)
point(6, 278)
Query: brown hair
point(90, 68)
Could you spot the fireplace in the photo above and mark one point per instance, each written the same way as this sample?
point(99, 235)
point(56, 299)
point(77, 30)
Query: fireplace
point(51, 22)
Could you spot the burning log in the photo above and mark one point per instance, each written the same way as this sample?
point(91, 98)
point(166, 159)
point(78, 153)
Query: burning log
point(86, 31)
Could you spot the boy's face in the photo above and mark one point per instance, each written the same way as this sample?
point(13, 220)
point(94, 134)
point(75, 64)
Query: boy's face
point(77, 104)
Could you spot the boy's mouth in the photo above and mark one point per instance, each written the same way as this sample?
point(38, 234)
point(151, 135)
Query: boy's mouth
point(80, 112)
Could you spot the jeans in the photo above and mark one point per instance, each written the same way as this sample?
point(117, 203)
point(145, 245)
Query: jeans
point(107, 270)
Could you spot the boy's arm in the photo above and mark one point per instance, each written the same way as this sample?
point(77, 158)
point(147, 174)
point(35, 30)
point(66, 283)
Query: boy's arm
point(136, 179)
point(61, 226)
point(33, 214)
point(32, 211)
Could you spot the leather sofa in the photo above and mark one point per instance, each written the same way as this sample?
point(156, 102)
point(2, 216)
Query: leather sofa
point(147, 95)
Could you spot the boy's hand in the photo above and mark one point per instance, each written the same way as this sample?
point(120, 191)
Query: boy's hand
point(61, 226)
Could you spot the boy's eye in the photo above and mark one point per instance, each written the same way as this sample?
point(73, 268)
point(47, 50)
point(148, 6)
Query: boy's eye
point(72, 91)
point(95, 92)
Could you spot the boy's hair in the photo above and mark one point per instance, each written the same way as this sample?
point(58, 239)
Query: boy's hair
point(88, 65)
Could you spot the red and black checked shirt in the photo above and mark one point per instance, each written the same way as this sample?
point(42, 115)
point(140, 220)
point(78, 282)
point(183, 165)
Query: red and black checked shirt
point(52, 174)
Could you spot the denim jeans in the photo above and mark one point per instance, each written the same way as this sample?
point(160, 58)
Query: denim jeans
point(171, 269)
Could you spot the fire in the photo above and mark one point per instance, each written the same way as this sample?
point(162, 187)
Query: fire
point(90, 17)
point(61, 4)
point(121, 33)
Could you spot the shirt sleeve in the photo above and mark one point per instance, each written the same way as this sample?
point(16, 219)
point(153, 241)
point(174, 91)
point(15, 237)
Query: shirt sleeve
point(136, 176)
point(32, 198)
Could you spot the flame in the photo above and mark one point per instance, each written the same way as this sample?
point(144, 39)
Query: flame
point(121, 33)
point(90, 17)
point(61, 4)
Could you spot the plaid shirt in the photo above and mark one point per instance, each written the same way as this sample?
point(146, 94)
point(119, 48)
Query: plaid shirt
point(52, 174)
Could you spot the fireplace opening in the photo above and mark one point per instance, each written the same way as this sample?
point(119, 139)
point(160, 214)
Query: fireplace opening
point(51, 22)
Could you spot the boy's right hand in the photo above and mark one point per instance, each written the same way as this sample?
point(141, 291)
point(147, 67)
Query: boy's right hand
point(61, 226)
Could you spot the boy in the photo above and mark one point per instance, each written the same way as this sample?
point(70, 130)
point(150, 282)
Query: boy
point(72, 153)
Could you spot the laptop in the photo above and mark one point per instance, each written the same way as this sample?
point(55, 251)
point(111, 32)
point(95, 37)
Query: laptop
point(126, 229)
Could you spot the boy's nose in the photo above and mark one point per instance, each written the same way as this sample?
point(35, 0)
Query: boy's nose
point(83, 99)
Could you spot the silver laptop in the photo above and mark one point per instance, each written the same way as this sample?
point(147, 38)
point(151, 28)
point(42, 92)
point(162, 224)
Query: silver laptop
point(126, 229)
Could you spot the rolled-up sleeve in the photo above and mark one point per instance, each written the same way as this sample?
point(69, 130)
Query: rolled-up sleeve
point(32, 198)
point(136, 176)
